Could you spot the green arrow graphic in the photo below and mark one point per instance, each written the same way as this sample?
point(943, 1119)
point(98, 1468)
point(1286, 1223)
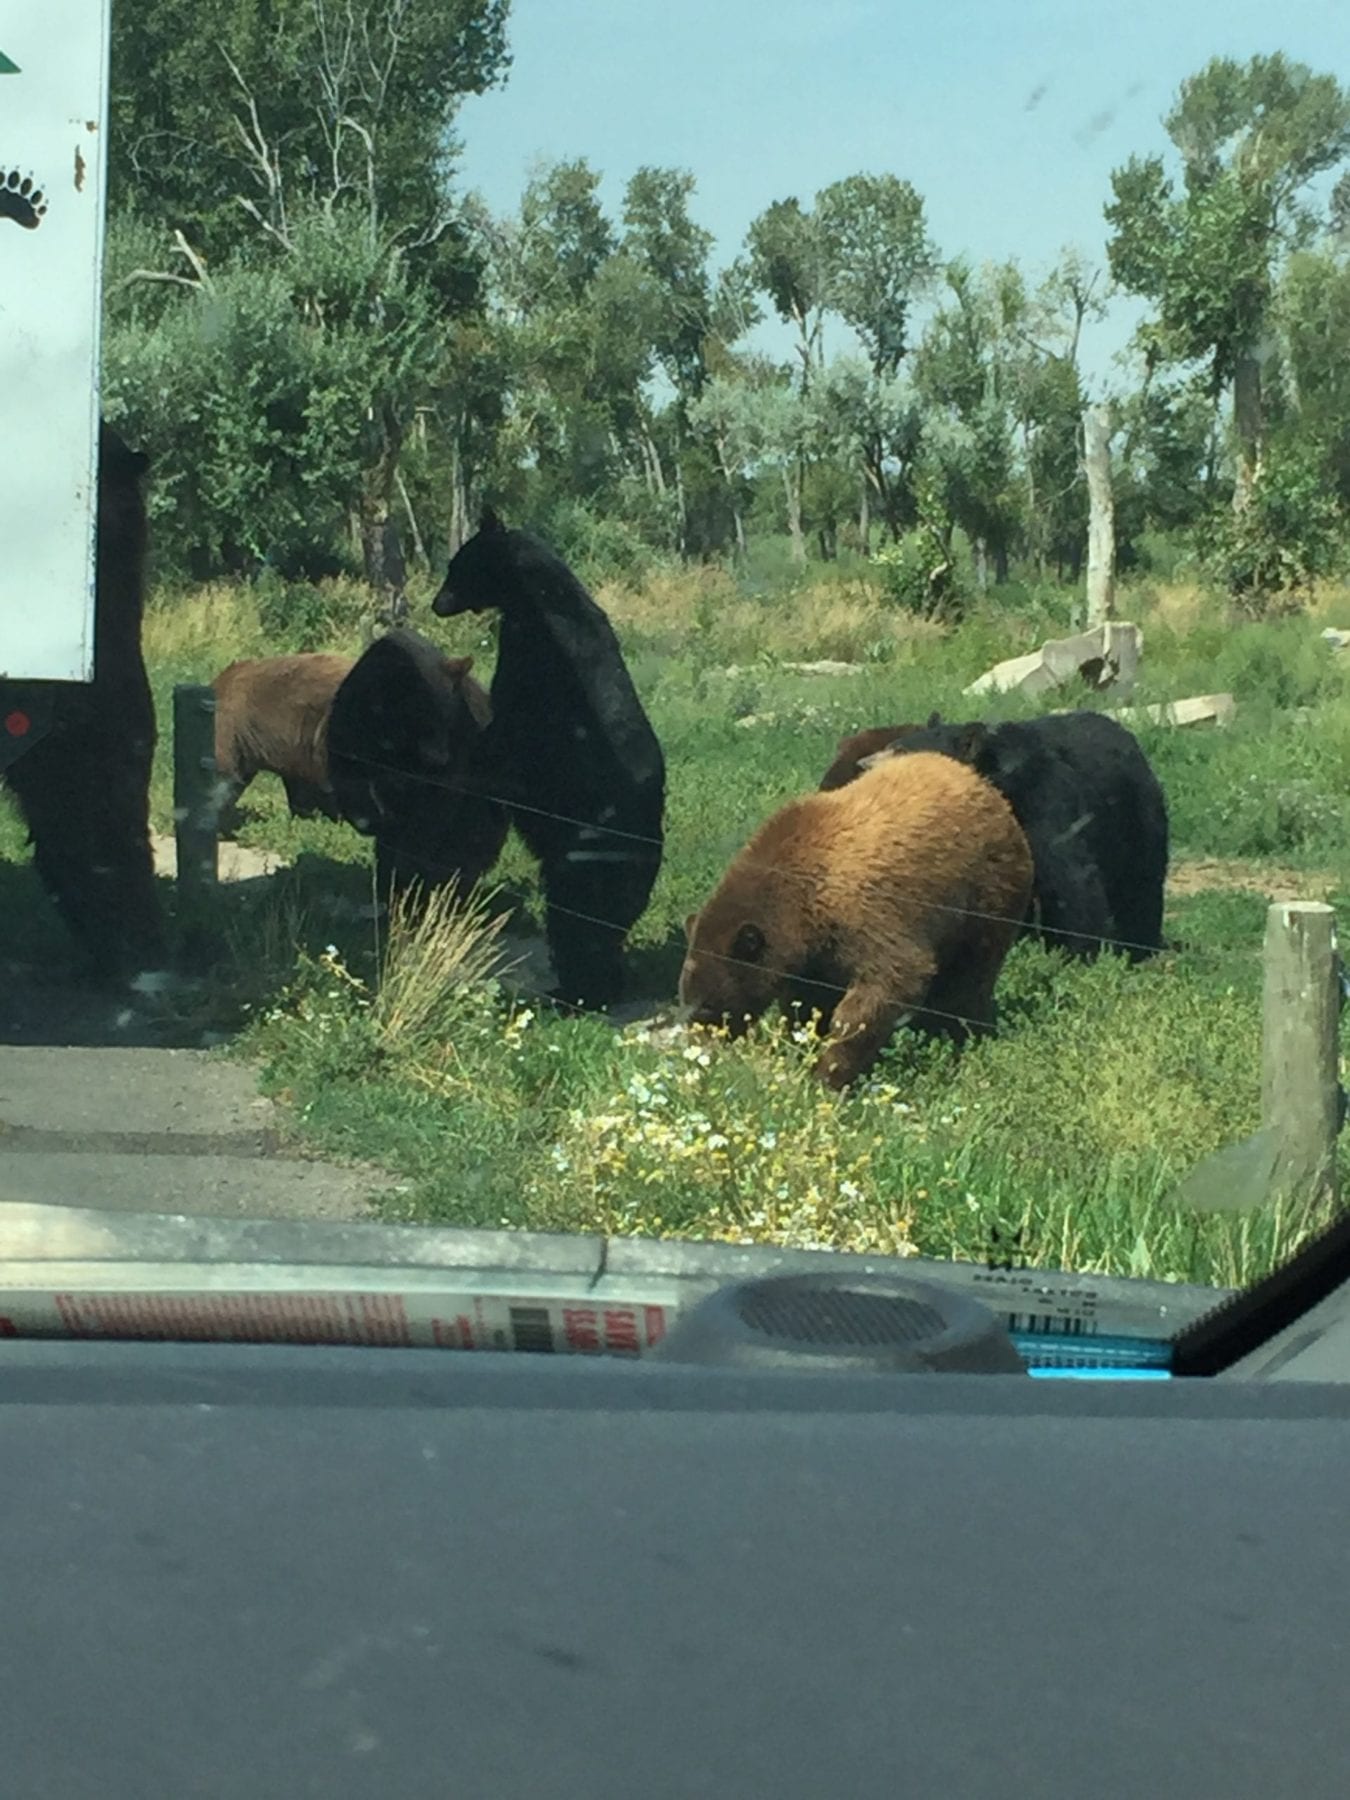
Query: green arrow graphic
point(6, 66)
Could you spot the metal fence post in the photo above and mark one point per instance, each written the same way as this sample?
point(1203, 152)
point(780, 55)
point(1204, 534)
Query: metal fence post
point(194, 790)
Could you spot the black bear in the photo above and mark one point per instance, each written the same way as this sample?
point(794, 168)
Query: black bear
point(84, 788)
point(401, 730)
point(570, 752)
point(1093, 812)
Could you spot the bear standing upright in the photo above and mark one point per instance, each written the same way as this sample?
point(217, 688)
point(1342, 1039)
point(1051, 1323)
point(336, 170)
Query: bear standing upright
point(84, 788)
point(897, 895)
point(570, 752)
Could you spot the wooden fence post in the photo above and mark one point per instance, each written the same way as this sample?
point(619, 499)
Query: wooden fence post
point(1300, 1086)
point(194, 790)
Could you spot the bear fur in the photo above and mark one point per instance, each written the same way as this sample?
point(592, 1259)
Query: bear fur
point(1092, 809)
point(84, 788)
point(272, 717)
point(850, 752)
point(570, 752)
point(402, 729)
point(897, 895)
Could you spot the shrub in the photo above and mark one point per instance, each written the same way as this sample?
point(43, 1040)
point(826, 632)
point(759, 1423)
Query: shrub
point(916, 574)
point(1269, 556)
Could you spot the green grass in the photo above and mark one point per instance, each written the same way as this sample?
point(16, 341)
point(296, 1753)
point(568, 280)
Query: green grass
point(1070, 1129)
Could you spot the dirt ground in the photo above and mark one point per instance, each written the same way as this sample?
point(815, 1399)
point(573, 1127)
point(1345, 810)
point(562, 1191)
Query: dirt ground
point(1200, 875)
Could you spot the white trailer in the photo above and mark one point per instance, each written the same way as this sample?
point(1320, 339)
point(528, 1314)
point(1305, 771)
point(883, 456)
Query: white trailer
point(53, 169)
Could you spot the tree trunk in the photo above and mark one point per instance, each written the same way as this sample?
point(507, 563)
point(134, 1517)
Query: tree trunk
point(1001, 562)
point(981, 564)
point(419, 548)
point(681, 514)
point(793, 484)
point(459, 500)
point(1101, 560)
point(724, 463)
point(651, 456)
point(1249, 421)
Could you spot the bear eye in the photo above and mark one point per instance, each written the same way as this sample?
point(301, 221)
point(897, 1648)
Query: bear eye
point(748, 945)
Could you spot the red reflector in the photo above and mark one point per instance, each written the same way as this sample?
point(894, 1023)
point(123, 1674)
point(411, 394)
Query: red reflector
point(18, 724)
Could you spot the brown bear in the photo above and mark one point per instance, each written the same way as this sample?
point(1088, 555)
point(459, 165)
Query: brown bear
point(850, 752)
point(84, 788)
point(272, 717)
point(402, 732)
point(894, 897)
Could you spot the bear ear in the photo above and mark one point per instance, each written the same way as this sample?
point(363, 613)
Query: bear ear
point(971, 743)
point(489, 523)
point(691, 919)
point(457, 667)
point(934, 719)
point(748, 944)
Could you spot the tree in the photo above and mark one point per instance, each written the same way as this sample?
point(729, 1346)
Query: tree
point(1312, 315)
point(277, 392)
point(247, 106)
point(877, 257)
point(872, 423)
point(666, 244)
point(1101, 561)
point(789, 261)
point(760, 423)
point(562, 240)
point(304, 149)
point(1250, 137)
point(577, 320)
point(962, 370)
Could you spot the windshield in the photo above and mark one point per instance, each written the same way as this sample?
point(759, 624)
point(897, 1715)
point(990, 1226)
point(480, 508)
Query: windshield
point(746, 624)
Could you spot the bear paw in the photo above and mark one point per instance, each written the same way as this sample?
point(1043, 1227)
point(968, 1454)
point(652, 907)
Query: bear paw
point(20, 200)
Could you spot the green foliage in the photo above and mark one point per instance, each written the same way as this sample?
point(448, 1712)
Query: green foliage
point(878, 257)
point(312, 332)
point(915, 573)
point(600, 548)
point(789, 261)
point(1290, 535)
point(263, 391)
point(210, 109)
point(1250, 138)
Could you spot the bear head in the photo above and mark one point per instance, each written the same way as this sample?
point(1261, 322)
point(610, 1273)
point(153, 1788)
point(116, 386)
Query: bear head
point(970, 744)
point(861, 749)
point(480, 571)
point(730, 975)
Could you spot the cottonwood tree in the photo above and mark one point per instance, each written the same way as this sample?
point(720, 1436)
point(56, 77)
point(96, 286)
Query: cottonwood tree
point(309, 146)
point(1250, 138)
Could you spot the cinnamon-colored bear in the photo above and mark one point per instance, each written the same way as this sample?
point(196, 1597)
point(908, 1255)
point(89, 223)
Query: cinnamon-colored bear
point(893, 898)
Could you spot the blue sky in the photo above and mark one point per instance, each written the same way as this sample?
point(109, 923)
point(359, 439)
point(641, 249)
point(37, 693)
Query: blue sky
point(1007, 115)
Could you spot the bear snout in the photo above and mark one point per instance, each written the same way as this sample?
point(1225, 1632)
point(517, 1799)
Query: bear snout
point(709, 1011)
point(445, 605)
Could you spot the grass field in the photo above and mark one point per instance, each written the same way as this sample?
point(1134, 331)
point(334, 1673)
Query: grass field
point(1064, 1136)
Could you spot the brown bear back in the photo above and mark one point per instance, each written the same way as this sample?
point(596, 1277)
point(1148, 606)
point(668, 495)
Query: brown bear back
point(918, 854)
point(272, 714)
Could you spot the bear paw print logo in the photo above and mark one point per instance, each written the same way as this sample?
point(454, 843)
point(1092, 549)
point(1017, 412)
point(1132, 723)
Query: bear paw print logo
point(21, 200)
